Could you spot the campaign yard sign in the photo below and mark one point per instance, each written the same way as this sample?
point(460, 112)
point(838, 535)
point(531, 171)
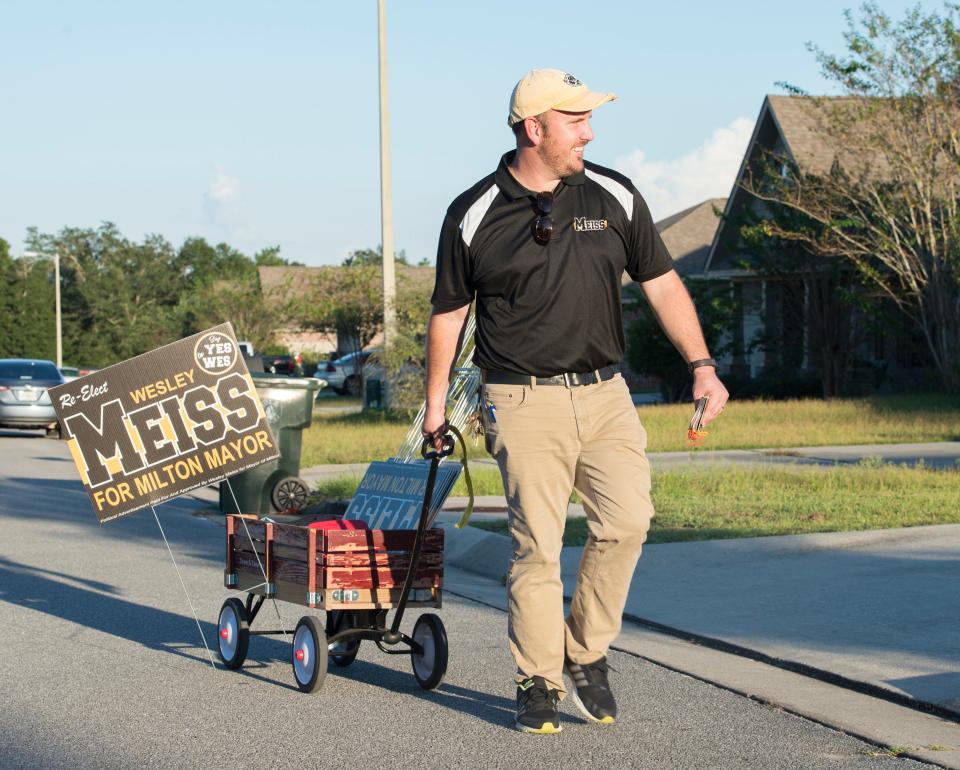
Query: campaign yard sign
point(390, 495)
point(155, 426)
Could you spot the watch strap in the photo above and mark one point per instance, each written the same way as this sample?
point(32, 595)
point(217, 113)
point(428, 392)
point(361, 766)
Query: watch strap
point(701, 362)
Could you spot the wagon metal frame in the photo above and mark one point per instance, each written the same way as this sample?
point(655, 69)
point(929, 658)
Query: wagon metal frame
point(315, 568)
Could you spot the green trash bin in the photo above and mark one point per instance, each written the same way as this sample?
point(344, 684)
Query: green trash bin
point(374, 394)
point(275, 486)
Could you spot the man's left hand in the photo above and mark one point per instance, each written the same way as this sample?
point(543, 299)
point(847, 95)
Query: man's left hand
point(706, 383)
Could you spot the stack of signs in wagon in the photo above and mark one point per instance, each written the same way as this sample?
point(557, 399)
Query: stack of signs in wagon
point(153, 427)
point(390, 496)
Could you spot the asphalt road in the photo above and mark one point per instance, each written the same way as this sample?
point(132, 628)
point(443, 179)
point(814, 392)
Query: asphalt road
point(102, 665)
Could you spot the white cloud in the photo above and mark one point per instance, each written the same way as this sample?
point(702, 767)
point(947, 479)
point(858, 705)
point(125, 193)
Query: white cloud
point(669, 186)
point(224, 188)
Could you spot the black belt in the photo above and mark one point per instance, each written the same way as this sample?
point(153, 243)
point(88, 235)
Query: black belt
point(569, 379)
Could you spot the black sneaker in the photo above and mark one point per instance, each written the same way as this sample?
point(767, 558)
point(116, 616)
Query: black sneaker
point(537, 707)
point(591, 691)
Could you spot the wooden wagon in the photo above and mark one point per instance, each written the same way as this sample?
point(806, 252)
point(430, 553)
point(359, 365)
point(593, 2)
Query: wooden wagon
point(355, 575)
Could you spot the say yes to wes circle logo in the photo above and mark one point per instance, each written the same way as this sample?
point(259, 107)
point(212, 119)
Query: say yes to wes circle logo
point(215, 353)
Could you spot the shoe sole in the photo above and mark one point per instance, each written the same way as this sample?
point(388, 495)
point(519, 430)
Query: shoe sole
point(548, 728)
point(607, 720)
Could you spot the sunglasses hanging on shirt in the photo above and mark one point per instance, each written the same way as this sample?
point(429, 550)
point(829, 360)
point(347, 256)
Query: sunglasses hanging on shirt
point(543, 224)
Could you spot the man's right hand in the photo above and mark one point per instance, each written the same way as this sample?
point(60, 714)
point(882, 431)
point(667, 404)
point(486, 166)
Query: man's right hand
point(433, 421)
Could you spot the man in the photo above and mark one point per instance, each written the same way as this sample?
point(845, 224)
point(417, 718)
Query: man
point(541, 245)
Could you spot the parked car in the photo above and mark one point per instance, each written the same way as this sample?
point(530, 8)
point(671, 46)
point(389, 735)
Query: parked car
point(344, 374)
point(24, 401)
point(292, 365)
point(71, 373)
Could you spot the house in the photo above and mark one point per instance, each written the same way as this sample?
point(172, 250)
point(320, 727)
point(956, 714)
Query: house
point(791, 312)
point(281, 282)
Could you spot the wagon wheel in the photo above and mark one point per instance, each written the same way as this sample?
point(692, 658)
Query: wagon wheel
point(234, 633)
point(290, 494)
point(344, 653)
point(430, 665)
point(309, 654)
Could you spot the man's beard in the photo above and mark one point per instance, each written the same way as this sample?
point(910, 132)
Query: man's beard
point(559, 160)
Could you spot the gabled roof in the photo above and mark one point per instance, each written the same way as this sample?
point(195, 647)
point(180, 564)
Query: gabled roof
point(689, 233)
point(797, 120)
point(789, 125)
point(785, 123)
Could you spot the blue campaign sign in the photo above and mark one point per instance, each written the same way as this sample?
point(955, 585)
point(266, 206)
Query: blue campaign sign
point(390, 496)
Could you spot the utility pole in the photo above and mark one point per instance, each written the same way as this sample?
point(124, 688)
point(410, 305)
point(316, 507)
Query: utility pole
point(56, 280)
point(386, 200)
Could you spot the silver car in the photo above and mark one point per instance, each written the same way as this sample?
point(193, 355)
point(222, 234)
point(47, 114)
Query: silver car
point(344, 375)
point(24, 402)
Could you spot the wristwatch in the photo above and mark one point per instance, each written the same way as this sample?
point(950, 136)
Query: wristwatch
point(701, 362)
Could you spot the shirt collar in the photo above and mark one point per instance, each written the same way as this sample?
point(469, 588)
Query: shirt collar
point(513, 190)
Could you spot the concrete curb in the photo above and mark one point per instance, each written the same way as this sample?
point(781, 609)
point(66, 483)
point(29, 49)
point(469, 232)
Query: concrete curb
point(477, 551)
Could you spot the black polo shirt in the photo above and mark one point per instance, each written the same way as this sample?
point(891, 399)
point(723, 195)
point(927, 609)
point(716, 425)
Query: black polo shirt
point(547, 308)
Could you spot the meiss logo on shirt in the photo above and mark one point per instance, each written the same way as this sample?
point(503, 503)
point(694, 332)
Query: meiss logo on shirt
point(581, 224)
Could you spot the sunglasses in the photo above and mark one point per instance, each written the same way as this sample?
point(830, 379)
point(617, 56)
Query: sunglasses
point(543, 224)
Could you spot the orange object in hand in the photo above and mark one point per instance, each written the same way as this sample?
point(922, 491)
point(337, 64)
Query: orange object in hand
point(695, 436)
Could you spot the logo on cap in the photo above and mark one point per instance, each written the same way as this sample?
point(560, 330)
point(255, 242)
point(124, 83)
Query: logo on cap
point(570, 80)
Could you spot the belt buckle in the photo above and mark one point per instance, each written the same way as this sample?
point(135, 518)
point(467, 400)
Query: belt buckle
point(571, 379)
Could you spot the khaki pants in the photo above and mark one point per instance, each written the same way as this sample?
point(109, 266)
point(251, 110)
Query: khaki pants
point(547, 440)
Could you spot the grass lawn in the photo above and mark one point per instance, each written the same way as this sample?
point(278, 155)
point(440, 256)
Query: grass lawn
point(811, 422)
point(374, 435)
point(717, 502)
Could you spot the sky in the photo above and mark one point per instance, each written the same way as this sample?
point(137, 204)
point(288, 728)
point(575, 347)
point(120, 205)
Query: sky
point(257, 124)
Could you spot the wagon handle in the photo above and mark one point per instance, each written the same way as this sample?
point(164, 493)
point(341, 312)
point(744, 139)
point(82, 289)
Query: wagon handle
point(428, 453)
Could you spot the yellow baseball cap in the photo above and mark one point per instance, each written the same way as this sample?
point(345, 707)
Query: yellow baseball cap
point(542, 90)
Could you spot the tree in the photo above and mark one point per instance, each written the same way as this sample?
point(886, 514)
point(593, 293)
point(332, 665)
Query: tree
point(270, 257)
point(122, 298)
point(372, 257)
point(8, 310)
point(199, 263)
point(346, 302)
point(405, 363)
point(118, 297)
point(254, 317)
point(27, 326)
point(888, 205)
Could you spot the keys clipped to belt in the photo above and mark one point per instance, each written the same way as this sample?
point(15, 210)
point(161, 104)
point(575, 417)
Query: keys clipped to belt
point(475, 420)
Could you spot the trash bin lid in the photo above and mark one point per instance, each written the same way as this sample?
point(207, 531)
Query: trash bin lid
point(292, 383)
